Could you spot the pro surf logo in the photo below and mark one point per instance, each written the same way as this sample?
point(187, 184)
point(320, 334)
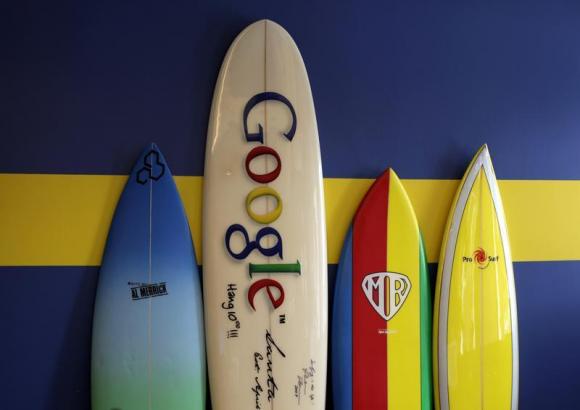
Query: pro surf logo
point(480, 258)
point(386, 292)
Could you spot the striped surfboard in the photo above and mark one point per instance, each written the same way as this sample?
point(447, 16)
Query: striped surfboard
point(381, 333)
point(475, 340)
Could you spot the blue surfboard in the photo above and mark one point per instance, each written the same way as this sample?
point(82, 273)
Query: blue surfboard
point(148, 348)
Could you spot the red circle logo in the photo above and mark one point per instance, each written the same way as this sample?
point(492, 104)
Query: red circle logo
point(480, 257)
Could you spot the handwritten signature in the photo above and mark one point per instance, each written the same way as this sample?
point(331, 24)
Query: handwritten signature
point(305, 385)
point(271, 348)
point(270, 345)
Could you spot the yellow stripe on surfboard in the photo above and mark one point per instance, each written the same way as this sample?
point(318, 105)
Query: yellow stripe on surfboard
point(64, 219)
point(403, 340)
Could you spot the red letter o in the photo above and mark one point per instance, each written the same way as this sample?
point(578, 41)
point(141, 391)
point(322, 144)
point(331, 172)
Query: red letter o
point(270, 176)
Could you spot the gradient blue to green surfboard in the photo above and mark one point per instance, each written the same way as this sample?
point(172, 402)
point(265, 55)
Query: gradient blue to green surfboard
point(148, 342)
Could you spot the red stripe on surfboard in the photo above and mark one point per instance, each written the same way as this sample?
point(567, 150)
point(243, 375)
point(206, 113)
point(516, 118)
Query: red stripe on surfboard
point(369, 345)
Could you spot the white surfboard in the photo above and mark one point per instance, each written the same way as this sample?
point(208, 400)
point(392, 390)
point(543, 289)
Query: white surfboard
point(264, 243)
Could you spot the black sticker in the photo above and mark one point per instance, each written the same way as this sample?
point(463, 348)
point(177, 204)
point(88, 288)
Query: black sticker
point(148, 290)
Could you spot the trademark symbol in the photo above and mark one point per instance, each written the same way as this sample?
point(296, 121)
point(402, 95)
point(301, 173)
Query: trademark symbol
point(282, 319)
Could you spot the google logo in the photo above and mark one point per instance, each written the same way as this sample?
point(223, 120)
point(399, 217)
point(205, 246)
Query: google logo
point(262, 190)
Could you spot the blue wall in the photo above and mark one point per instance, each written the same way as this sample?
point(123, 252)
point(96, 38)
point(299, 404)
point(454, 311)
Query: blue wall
point(415, 85)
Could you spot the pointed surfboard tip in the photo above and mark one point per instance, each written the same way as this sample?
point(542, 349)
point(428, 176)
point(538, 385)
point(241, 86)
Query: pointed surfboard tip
point(150, 164)
point(392, 173)
point(387, 172)
point(150, 147)
point(480, 158)
point(483, 152)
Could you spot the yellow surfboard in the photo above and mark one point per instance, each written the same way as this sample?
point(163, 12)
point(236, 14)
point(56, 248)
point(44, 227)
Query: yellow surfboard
point(475, 336)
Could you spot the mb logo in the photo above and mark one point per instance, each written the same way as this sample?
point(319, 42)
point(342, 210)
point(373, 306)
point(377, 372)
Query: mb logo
point(386, 292)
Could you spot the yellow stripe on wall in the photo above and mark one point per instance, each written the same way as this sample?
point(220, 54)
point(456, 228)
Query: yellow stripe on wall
point(64, 219)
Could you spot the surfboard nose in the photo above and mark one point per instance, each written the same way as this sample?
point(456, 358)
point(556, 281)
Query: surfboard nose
point(483, 151)
point(150, 165)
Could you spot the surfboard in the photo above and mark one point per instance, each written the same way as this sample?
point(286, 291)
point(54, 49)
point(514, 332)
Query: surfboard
point(475, 337)
point(381, 324)
point(148, 345)
point(264, 243)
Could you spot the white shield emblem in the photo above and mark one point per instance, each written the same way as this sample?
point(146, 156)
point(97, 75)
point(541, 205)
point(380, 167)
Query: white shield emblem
point(386, 292)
